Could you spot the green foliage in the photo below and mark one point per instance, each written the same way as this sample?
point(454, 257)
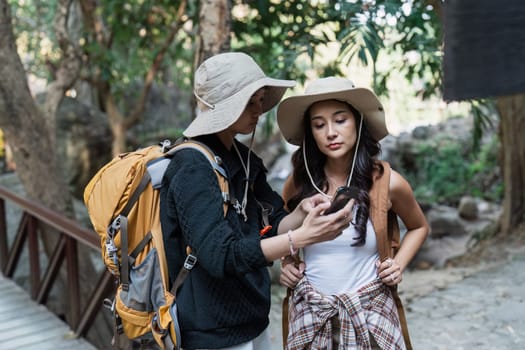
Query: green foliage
point(277, 33)
point(136, 31)
point(442, 173)
point(448, 169)
point(485, 175)
point(360, 40)
point(482, 110)
point(33, 28)
point(409, 28)
point(421, 38)
point(280, 35)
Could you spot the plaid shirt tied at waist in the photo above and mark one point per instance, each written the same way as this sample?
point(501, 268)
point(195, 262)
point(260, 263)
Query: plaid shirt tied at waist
point(371, 310)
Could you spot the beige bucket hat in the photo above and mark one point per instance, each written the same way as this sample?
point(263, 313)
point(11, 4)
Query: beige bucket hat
point(223, 86)
point(290, 112)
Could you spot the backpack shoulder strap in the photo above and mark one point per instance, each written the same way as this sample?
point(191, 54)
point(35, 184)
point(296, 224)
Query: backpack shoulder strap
point(215, 162)
point(387, 233)
point(379, 205)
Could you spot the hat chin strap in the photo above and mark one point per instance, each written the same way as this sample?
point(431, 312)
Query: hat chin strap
point(351, 170)
point(203, 101)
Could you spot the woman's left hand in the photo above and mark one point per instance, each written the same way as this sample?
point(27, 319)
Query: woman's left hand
point(389, 272)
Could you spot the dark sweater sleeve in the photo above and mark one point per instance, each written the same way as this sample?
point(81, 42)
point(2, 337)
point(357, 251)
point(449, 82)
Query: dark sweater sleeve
point(197, 199)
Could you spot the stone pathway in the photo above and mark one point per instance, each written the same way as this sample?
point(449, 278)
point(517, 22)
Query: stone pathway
point(483, 311)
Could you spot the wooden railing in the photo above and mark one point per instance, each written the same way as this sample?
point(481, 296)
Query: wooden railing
point(80, 317)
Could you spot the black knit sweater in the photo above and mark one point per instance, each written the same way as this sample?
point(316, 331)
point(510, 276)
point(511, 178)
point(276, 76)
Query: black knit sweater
point(225, 301)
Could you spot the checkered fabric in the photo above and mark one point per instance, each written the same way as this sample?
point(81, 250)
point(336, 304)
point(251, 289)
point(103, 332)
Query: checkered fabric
point(371, 310)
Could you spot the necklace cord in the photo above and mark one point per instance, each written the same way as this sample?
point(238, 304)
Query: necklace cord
point(246, 168)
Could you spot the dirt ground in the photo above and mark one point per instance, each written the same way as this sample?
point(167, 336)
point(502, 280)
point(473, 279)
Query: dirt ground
point(484, 255)
point(494, 249)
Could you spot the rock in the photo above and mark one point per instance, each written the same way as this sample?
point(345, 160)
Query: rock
point(468, 208)
point(444, 221)
point(437, 251)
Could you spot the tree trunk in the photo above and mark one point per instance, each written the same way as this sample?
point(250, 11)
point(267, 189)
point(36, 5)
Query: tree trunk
point(512, 124)
point(116, 123)
point(214, 34)
point(68, 69)
point(214, 29)
point(26, 129)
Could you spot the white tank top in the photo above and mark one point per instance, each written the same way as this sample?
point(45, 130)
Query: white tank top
point(335, 267)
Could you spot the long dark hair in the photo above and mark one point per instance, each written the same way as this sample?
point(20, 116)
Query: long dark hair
point(365, 164)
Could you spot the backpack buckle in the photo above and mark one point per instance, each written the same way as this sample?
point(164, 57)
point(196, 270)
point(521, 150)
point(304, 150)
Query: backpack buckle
point(190, 262)
point(111, 250)
point(165, 146)
point(114, 226)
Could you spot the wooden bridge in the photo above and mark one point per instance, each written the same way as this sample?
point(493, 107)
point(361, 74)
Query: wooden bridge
point(25, 324)
point(25, 320)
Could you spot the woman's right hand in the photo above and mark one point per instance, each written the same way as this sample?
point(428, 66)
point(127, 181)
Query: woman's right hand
point(317, 227)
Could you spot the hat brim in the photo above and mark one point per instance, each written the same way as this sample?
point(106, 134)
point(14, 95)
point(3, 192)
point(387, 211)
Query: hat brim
point(291, 111)
point(226, 112)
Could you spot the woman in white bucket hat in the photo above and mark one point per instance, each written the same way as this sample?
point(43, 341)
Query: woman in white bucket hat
point(224, 303)
point(337, 127)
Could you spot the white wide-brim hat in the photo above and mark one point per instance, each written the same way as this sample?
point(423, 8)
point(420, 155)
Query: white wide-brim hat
point(223, 86)
point(290, 113)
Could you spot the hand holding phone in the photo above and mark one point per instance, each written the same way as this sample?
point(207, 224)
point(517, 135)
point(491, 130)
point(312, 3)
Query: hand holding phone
point(341, 198)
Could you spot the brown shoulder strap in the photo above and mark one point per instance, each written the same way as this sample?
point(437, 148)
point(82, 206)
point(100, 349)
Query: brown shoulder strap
point(387, 233)
point(379, 210)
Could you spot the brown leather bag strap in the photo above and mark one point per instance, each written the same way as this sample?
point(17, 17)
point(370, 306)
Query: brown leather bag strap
point(387, 234)
point(379, 203)
point(402, 318)
point(286, 306)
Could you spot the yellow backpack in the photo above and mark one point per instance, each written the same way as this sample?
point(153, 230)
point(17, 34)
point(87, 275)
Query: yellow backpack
point(123, 202)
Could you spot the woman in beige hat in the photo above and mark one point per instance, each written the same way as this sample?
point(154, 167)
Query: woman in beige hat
point(345, 291)
point(224, 303)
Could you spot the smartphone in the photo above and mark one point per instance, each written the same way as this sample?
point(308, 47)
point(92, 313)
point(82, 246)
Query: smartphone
point(342, 196)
